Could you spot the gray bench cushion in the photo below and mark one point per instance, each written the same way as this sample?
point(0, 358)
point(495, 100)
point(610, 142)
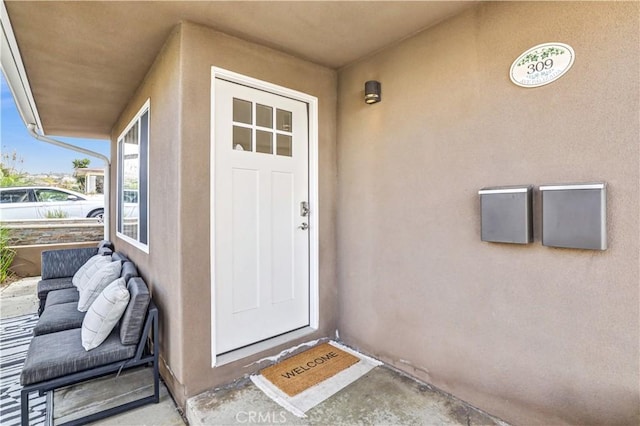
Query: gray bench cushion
point(117, 256)
point(64, 262)
point(60, 354)
point(128, 271)
point(59, 317)
point(133, 318)
point(45, 286)
point(58, 297)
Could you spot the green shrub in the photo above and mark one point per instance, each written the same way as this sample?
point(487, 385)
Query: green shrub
point(6, 256)
point(9, 173)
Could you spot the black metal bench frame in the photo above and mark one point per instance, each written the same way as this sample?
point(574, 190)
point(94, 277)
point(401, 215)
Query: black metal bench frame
point(146, 353)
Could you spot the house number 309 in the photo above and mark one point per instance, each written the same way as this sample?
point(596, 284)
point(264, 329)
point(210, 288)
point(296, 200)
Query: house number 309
point(539, 66)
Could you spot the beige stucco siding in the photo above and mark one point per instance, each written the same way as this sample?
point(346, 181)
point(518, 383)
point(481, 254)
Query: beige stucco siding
point(161, 266)
point(178, 264)
point(202, 49)
point(533, 334)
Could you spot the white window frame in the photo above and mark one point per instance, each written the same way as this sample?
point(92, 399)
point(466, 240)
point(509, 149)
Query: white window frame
point(119, 190)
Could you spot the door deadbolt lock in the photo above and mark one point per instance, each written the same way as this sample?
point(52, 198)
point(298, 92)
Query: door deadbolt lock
point(304, 226)
point(304, 209)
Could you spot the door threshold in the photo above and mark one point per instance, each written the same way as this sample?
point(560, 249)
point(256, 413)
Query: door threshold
point(264, 345)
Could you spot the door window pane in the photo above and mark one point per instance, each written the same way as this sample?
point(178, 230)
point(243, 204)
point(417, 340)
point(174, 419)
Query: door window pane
point(264, 116)
point(264, 142)
point(247, 124)
point(242, 139)
point(284, 145)
point(283, 120)
point(242, 111)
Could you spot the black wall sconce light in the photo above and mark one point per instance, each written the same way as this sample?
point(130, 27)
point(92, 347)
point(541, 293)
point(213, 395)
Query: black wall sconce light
point(372, 92)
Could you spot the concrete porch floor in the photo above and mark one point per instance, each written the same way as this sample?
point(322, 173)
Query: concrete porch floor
point(381, 397)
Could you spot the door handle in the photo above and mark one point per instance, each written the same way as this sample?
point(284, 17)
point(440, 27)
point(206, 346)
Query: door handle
point(304, 226)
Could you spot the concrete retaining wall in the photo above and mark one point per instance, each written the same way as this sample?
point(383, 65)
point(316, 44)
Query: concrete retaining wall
point(27, 261)
point(29, 238)
point(53, 231)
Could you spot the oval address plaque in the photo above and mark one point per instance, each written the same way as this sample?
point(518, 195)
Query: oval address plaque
point(542, 64)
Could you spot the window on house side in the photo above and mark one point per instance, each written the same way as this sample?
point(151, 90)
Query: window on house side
point(133, 182)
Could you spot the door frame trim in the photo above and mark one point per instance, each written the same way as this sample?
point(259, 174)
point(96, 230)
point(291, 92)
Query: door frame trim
point(314, 217)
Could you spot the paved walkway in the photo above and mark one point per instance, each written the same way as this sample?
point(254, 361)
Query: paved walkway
point(19, 298)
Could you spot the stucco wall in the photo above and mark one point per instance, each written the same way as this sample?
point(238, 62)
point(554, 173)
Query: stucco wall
point(532, 334)
point(202, 49)
point(161, 266)
point(178, 264)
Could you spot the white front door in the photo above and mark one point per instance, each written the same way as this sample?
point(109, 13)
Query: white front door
point(261, 240)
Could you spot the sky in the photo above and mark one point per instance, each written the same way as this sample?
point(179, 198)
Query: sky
point(40, 157)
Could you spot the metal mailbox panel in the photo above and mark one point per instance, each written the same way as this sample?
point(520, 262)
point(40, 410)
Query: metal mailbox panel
point(574, 216)
point(506, 215)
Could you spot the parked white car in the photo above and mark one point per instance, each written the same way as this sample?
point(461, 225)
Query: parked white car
point(42, 202)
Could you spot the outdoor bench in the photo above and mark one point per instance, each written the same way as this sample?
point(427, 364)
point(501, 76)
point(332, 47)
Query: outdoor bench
point(56, 357)
point(61, 306)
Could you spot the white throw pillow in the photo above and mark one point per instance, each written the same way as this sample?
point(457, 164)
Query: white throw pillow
point(104, 313)
point(102, 278)
point(82, 276)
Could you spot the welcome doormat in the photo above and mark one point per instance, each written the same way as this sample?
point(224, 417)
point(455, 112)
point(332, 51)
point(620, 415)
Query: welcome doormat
point(300, 372)
point(305, 380)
